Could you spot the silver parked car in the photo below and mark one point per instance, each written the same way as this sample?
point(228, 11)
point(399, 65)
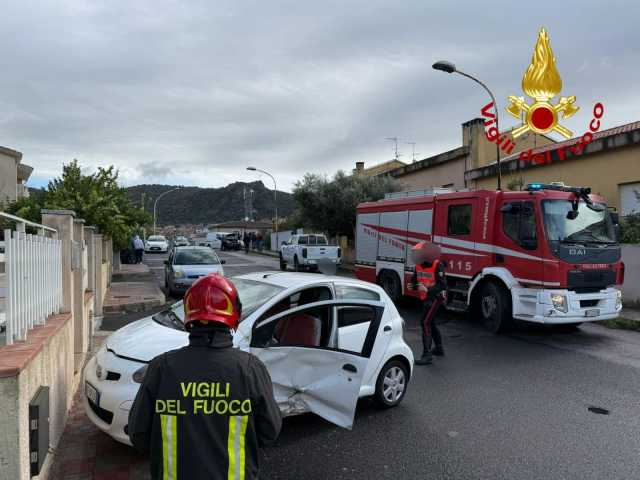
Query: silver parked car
point(186, 264)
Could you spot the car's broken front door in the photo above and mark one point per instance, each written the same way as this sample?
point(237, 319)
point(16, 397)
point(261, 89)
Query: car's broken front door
point(308, 369)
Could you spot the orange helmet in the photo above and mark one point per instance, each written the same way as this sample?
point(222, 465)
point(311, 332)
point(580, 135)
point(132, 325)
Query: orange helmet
point(425, 252)
point(212, 298)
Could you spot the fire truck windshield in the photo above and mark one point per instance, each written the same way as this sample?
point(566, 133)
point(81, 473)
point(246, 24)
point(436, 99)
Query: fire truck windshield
point(588, 226)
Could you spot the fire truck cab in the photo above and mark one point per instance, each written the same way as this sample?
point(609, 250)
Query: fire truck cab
point(548, 254)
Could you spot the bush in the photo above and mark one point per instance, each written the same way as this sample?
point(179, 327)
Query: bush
point(630, 229)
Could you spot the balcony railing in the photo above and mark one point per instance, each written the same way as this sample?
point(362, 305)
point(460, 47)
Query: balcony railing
point(31, 285)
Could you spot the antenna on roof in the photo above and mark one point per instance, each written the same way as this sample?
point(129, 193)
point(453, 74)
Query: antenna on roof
point(395, 140)
point(413, 151)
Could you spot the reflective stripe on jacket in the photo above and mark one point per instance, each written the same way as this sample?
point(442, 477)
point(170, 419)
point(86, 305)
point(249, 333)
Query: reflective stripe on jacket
point(203, 410)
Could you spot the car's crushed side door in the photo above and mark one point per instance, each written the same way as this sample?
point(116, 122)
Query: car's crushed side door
point(308, 370)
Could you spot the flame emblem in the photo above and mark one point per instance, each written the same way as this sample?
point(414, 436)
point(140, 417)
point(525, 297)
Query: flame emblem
point(542, 82)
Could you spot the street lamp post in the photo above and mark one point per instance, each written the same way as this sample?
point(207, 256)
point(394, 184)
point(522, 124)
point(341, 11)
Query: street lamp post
point(449, 67)
point(275, 200)
point(156, 203)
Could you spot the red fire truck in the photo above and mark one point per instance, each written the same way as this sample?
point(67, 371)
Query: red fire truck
point(548, 254)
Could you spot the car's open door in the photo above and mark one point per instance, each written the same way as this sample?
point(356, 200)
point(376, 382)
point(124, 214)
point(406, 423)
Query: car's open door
point(300, 348)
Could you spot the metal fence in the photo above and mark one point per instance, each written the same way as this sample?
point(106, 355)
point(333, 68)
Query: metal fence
point(32, 277)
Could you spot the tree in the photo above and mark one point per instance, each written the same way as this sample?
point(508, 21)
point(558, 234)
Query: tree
point(330, 205)
point(97, 198)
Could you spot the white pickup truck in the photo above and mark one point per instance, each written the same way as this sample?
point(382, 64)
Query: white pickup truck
point(307, 251)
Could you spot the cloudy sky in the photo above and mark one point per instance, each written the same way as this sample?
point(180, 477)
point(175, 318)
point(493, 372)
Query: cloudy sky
point(192, 92)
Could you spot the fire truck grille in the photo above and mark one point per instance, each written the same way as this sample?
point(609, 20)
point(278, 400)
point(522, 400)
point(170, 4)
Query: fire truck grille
point(588, 280)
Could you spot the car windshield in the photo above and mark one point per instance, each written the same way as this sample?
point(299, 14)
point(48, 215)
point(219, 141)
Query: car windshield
point(317, 240)
point(589, 226)
point(252, 295)
point(156, 238)
point(196, 256)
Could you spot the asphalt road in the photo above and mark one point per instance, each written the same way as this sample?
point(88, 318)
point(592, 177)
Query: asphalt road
point(496, 407)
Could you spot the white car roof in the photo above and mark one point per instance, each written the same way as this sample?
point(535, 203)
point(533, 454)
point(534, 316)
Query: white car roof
point(296, 279)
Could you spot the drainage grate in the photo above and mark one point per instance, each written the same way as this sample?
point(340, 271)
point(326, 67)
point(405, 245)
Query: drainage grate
point(598, 410)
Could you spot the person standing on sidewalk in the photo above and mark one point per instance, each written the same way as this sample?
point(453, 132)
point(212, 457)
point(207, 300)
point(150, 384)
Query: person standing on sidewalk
point(247, 241)
point(203, 410)
point(429, 280)
point(138, 248)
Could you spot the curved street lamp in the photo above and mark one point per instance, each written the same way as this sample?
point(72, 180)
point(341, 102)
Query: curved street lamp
point(156, 203)
point(448, 67)
point(275, 199)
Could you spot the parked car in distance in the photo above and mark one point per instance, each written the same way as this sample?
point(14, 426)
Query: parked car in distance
point(156, 243)
point(308, 251)
point(186, 264)
point(181, 241)
point(326, 341)
point(213, 240)
point(230, 241)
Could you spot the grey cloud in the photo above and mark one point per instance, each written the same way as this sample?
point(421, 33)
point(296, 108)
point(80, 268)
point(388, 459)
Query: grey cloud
point(193, 92)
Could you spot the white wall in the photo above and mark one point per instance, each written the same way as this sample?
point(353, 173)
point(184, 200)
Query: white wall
point(631, 286)
point(283, 237)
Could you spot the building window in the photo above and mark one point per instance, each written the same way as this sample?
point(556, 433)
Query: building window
point(629, 198)
point(459, 220)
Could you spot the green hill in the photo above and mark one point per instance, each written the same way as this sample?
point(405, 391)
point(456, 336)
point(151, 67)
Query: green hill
point(195, 205)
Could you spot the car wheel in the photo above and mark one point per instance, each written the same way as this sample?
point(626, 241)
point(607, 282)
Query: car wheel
point(495, 308)
point(391, 385)
point(296, 265)
point(283, 265)
point(391, 284)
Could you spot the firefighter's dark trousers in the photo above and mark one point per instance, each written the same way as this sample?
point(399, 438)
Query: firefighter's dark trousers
point(430, 331)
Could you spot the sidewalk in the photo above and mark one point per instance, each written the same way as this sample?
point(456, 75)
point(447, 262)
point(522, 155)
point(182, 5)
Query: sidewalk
point(134, 289)
point(85, 453)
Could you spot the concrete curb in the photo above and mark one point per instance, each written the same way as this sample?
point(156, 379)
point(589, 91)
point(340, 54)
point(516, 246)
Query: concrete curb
point(126, 297)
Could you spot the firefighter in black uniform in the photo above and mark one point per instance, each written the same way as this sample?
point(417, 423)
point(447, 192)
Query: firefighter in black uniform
point(429, 280)
point(202, 411)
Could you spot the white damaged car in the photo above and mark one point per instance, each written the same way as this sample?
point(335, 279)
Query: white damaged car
point(325, 340)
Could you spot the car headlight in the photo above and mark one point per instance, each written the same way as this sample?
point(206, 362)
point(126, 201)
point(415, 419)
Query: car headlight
point(139, 374)
point(618, 300)
point(560, 302)
point(178, 274)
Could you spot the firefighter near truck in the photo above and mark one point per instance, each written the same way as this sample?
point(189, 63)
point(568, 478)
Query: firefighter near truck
point(548, 254)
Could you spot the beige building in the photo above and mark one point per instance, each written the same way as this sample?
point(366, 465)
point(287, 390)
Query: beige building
point(610, 165)
point(448, 169)
point(379, 169)
point(13, 176)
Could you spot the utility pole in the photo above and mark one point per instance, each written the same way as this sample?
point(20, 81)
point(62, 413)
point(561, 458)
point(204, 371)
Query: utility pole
point(395, 141)
point(413, 151)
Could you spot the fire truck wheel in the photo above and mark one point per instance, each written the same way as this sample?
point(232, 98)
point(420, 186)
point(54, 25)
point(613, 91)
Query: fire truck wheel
point(283, 264)
point(495, 307)
point(390, 283)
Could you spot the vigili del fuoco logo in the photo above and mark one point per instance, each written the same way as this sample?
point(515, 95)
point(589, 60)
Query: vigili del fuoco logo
point(542, 83)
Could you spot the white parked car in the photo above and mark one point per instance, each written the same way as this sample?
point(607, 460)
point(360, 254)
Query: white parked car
point(326, 342)
point(213, 241)
point(156, 243)
point(181, 241)
point(308, 251)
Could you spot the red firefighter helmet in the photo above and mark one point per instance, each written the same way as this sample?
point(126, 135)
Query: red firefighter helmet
point(212, 298)
point(425, 252)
